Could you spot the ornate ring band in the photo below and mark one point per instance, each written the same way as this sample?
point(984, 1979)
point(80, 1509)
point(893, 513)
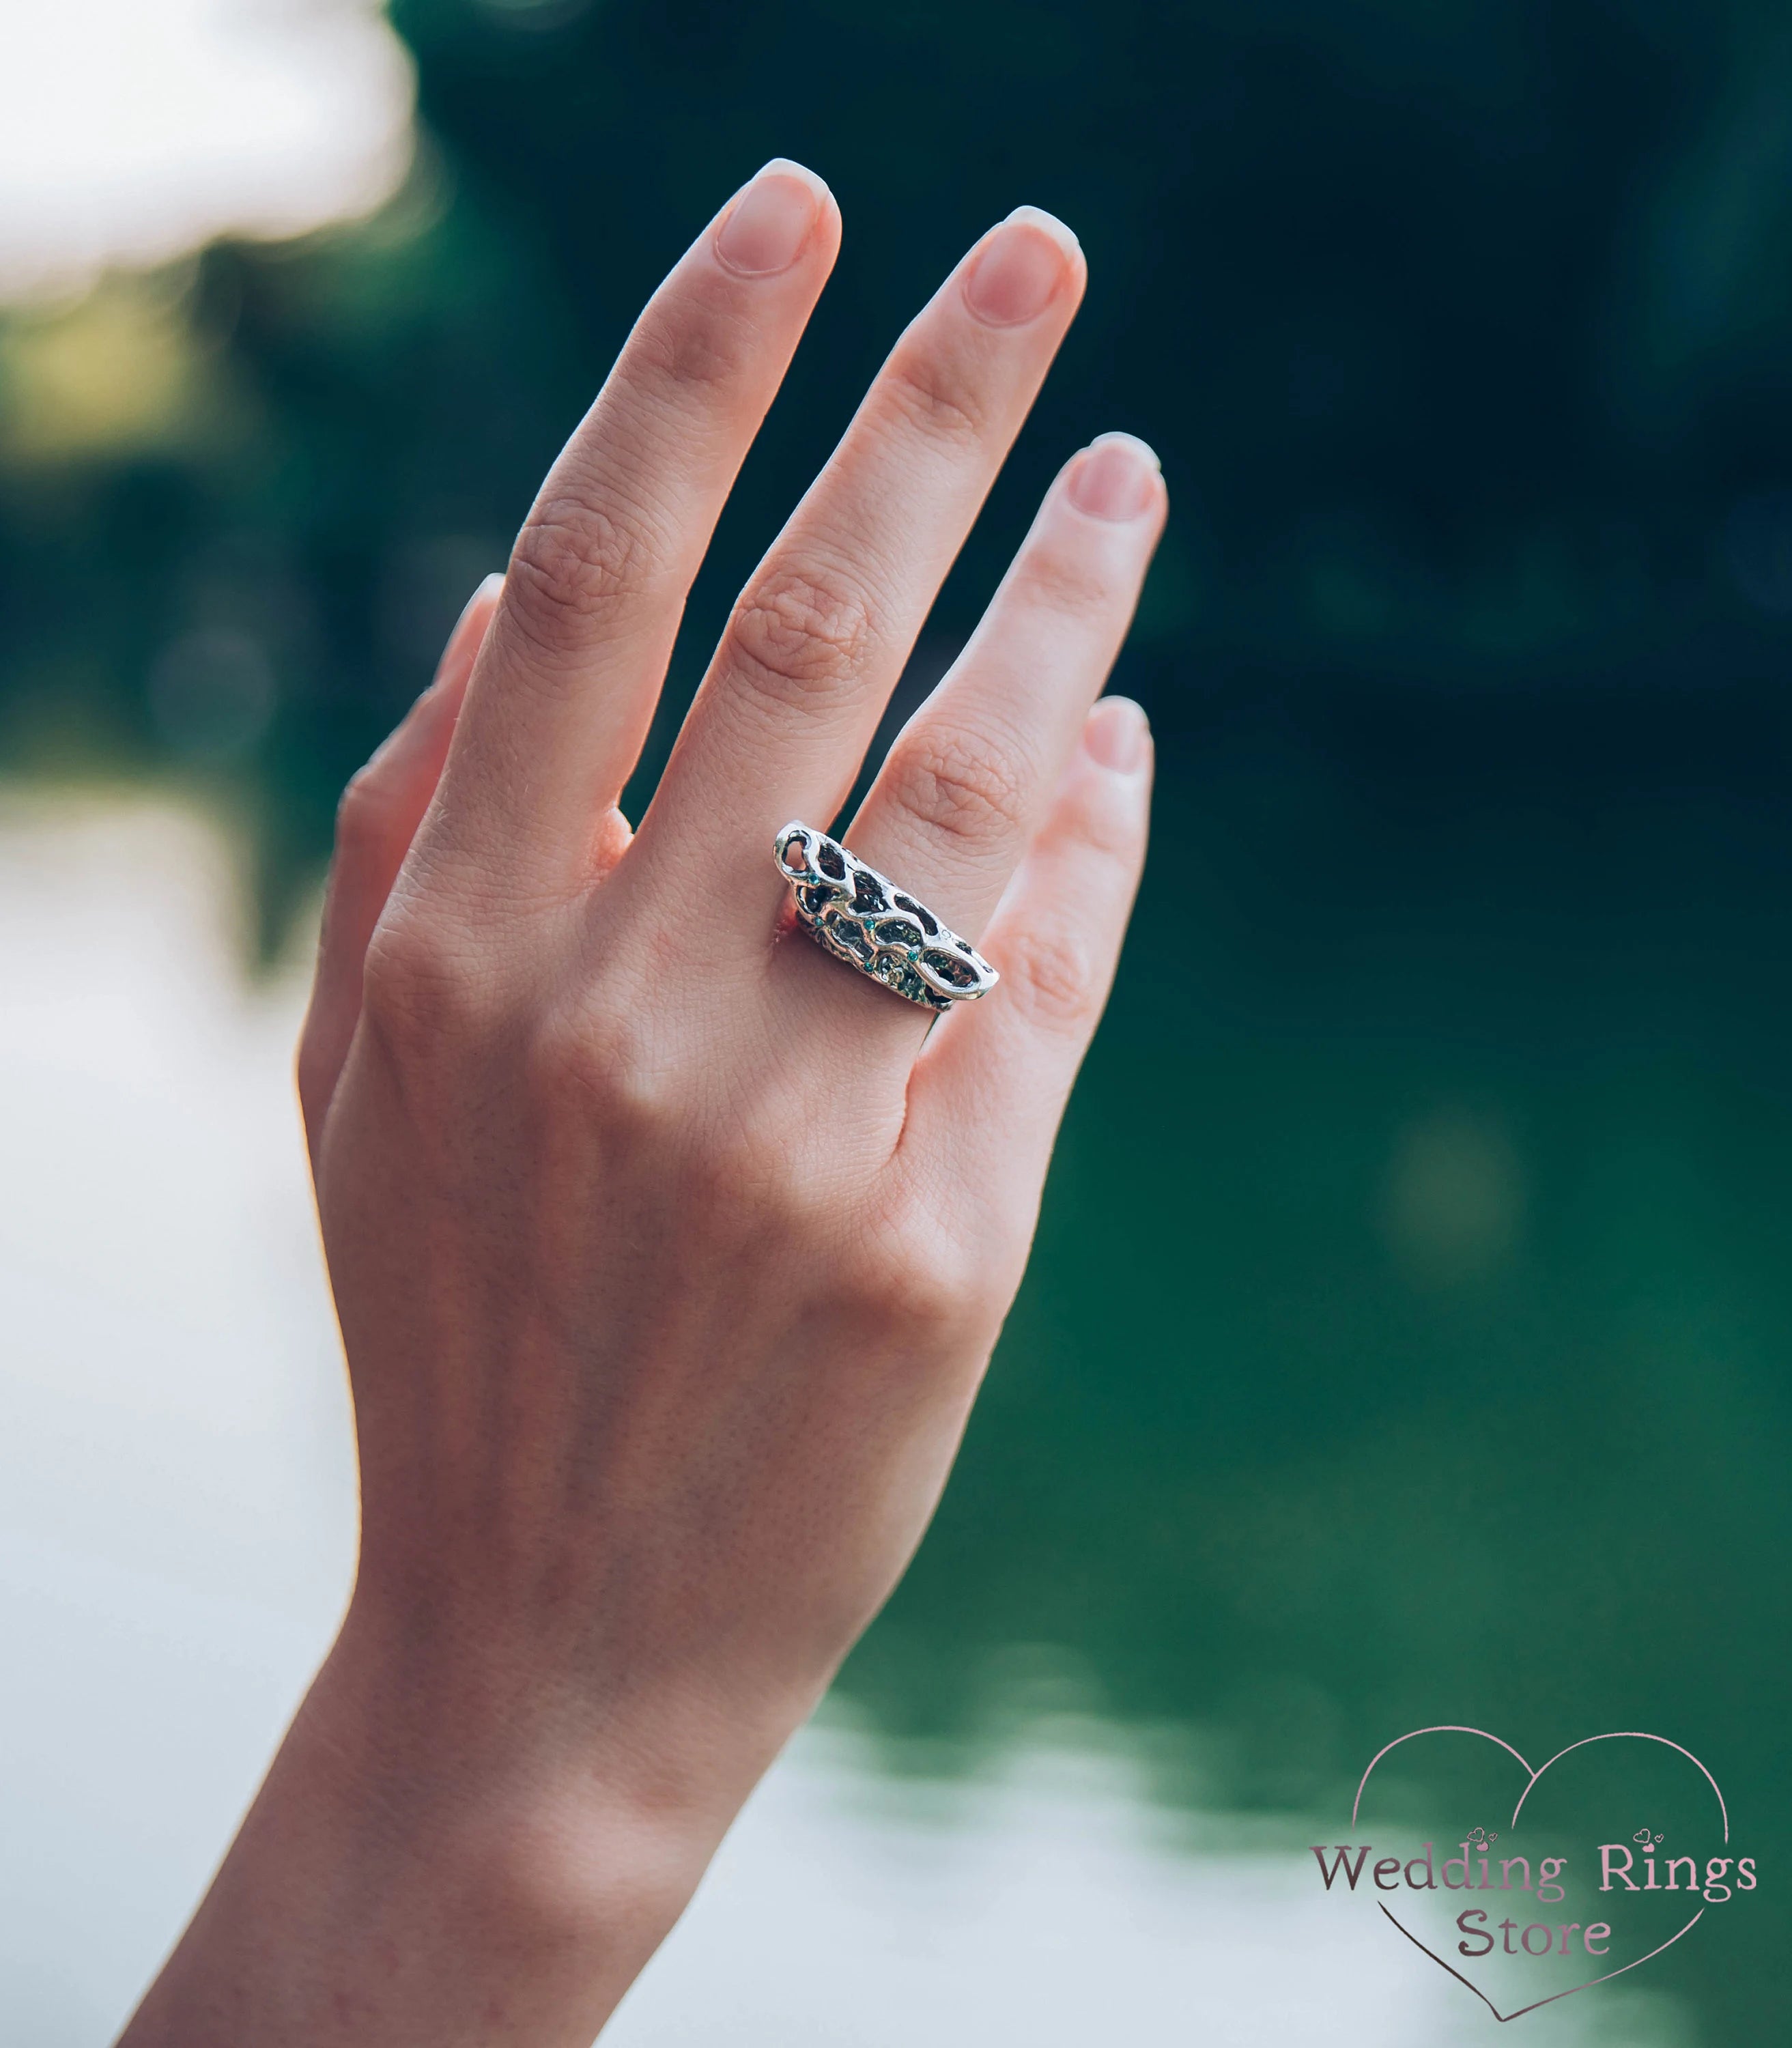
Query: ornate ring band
point(862, 918)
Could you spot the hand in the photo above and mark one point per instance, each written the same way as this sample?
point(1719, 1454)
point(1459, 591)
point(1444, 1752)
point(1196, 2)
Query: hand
point(668, 1251)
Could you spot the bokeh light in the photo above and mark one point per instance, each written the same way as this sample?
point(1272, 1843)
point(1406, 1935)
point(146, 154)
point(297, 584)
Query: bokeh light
point(133, 130)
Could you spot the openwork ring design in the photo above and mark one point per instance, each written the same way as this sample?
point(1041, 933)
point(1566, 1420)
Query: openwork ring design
point(863, 918)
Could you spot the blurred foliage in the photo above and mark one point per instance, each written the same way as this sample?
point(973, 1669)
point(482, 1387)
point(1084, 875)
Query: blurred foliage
point(1411, 1342)
point(1465, 332)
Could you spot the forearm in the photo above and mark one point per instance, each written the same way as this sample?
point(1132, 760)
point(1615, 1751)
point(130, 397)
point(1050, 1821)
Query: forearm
point(437, 1869)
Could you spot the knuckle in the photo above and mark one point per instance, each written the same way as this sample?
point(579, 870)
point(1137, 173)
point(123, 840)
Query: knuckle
point(597, 1060)
point(363, 813)
point(1055, 976)
point(754, 1164)
point(421, 984)
point(1055, 579)
point(696, 347)
point(919, 1282)
point(575, 565)
point(1098, 821)
point(960, 782)
point(925, 395)
point(798, 634)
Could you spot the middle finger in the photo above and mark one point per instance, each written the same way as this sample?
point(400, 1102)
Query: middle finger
point(819, 636)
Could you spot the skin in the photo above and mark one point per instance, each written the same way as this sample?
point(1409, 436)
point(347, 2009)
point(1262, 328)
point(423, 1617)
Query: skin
point(668, 1252)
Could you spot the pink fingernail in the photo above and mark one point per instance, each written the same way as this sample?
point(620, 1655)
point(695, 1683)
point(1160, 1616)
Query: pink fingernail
point(769, 223)
point(1117, 736)
point(1018, 271)
point(489, 586)
point(1116, 478)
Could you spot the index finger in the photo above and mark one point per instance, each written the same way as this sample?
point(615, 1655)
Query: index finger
point(567, 682)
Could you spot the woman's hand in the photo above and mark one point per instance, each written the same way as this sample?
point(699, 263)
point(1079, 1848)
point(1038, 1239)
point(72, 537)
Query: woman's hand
point(669, 1251)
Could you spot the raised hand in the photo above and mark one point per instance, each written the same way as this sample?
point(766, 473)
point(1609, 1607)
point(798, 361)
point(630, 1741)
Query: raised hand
point(668, 1250)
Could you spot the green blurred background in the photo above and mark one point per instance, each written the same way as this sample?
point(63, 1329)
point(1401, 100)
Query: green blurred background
point(1407, 1341)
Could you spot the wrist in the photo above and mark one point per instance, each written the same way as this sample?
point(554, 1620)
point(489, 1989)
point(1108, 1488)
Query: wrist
point(427, 1863)
point(573, 1814)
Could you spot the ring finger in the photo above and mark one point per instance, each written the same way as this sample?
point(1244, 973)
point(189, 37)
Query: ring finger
point(956, 801)
point(970, 776)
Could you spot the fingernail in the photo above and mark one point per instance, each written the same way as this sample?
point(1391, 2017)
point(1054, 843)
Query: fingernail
point(488, 587)
point(771, 220)
point(1118, 734)
point(1116, 478)
point(1018, 270)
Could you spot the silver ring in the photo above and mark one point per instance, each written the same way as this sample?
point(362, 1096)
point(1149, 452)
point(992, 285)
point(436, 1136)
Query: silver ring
point(862, 918)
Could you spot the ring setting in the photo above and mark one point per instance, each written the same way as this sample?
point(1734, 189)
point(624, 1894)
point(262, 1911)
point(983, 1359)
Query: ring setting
point(864, 918)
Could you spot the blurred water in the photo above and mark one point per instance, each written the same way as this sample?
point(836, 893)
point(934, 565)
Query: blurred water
point(176, 1532)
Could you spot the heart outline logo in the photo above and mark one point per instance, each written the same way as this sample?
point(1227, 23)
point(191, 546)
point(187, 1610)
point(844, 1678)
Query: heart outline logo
point(1614, 1734)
